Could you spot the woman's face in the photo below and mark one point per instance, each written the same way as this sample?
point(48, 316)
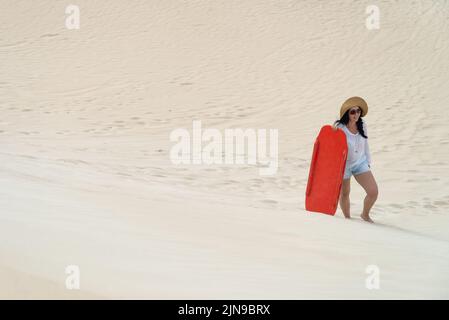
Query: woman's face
point(354, 113)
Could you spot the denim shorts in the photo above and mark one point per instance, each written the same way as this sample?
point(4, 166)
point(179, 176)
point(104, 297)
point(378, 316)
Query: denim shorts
point(357, 169)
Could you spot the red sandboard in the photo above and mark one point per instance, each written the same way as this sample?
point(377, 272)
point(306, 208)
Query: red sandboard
point(326, 171)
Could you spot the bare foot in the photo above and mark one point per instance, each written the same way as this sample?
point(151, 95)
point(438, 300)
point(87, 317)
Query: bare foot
point(366, 218)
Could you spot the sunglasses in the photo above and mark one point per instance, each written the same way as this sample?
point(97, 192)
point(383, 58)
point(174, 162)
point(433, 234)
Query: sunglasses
point(354, 111)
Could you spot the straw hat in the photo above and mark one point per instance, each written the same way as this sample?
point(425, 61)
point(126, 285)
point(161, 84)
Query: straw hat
point(354, 102)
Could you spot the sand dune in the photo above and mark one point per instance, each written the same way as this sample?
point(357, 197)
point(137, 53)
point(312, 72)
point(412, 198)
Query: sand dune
point(86, 177)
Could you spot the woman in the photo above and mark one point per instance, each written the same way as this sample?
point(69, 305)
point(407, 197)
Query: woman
point(358, 162)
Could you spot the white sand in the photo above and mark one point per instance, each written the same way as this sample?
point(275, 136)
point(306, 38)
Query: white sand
point(86, 179)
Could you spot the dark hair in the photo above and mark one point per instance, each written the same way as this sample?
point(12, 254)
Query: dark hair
point(345, 119)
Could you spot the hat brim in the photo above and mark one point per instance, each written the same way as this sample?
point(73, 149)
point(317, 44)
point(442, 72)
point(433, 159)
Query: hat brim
point(354, 102)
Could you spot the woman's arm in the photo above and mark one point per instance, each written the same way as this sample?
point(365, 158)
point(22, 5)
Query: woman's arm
point(367, 151)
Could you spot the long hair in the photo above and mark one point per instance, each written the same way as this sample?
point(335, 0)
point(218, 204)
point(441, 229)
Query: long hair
point(345, 119)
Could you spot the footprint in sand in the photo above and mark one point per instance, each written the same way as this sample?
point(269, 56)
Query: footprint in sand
point(49, 35)
point(441, 203)
point(269, 201)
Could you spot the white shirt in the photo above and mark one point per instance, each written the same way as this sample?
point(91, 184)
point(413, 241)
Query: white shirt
point(358, 149)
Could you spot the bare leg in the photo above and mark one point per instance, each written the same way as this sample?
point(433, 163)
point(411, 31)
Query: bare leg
point(367, 181)
point(344, 197)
